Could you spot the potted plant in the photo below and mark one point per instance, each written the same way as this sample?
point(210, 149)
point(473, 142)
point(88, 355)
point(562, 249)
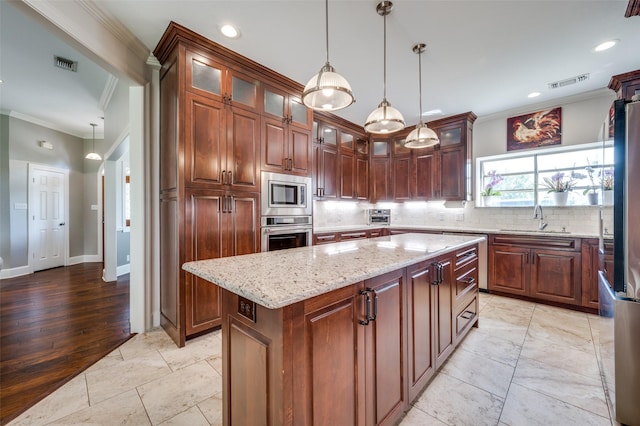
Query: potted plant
point(606, 179)
point(560, 186)
point(590, 192)
point(490, 196)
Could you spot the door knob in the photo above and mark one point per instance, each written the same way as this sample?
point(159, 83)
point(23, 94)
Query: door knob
point(62, 224)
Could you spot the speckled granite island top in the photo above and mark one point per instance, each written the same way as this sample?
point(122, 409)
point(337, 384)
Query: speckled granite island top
point(280, 278)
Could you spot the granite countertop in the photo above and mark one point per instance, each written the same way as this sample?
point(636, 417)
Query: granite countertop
point(280, 278)
point(550, 233)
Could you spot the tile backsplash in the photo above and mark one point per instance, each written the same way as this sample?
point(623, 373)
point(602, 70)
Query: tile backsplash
point(579, 219)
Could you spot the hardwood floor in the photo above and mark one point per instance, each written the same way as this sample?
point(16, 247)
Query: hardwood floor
point(53, 325)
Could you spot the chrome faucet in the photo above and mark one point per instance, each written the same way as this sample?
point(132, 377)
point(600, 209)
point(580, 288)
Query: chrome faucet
point(542, 224)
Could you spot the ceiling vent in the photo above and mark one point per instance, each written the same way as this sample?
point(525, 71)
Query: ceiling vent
point(569, 81)
point(65, 64)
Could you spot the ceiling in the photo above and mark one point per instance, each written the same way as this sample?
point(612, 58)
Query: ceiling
point(482, 56)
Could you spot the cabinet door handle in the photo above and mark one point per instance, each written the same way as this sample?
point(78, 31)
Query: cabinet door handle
point(290, 163)
point(375, 304)
point(230, 204)
point(526, 258)
point(438, 271)
point(367, 307)
point(230, 178)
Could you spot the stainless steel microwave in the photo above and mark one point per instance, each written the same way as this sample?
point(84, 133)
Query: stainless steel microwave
point(285, 195)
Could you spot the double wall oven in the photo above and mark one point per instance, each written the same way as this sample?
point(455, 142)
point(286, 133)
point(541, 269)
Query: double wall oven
point(286, 212)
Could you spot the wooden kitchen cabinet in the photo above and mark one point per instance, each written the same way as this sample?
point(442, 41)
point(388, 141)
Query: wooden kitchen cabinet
point(334, 237)
point(287, 125)
point(592, 262)
point(442, 307)
point(222, 145)
point(541, 268)
point(380, 171)
point(455, 181)
point(218, 224)
point(590, 267)
point(325, 161)
point(212, 116)
point(340, 159)
point(329, 377)
point(219, 81)
point(421, 319)
point(385, 340)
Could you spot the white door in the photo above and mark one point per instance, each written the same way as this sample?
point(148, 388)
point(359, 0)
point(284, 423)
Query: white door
point(46, 210)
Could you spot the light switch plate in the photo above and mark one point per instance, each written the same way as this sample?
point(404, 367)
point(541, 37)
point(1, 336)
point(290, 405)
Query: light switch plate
point(20, 206)
point(94, 207)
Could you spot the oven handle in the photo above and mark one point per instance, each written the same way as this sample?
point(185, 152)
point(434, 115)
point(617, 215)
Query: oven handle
point(287, 230)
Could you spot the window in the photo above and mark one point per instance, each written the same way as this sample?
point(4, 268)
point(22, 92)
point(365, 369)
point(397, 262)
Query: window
point(525, 176)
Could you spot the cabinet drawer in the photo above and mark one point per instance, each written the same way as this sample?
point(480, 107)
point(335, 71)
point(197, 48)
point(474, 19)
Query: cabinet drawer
point(466, 282)
point(325, 238)
point(466, 317)
point(353, 235)
point(465, 257)
point(555, 243)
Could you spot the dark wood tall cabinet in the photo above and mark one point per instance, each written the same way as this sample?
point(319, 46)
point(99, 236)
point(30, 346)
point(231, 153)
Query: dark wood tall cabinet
point(218, 112)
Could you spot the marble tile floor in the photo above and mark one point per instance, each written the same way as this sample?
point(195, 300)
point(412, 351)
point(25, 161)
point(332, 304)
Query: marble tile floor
point(527, 364)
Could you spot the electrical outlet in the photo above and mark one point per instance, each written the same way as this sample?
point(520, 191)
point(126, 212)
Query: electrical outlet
point(460, 217)
point(441, 217)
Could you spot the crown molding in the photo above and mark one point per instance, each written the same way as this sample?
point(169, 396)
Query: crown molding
point(107, 92)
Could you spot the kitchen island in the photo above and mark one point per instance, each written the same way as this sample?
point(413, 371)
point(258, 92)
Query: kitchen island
point(347, 333)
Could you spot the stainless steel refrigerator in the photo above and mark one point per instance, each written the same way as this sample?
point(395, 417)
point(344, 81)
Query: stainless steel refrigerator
point(619, 337)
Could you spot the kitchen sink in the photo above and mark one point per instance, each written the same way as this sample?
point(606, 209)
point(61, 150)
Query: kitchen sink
point(544, 231)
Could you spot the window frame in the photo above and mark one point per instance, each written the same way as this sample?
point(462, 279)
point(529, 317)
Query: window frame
point(538, 192)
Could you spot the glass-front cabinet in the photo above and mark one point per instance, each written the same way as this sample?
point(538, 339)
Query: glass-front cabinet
point(214, 80)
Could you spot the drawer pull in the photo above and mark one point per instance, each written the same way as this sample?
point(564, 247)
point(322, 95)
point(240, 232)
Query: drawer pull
point(469, 280)
point(468, 315)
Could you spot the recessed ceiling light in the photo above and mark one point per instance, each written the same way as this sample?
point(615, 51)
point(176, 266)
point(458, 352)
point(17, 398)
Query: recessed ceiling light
point(432, 112)
point(533, 95)
point(606, 45)
point(229, 31)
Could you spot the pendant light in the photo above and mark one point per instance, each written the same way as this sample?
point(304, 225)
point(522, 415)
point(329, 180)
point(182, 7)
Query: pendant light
point(385, 118)
point(93, 155)
point(422, 136)
point(327, 90)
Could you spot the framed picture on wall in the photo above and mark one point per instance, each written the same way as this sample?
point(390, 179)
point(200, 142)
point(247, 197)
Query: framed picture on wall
point(536, 129)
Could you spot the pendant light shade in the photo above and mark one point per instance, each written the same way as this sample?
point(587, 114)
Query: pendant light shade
point(93, 155)
point(422, 136)
point(327, 90)
point(385, 118)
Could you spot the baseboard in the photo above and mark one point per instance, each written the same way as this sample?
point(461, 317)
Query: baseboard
point(15, 272)
point(87, 258)
point(123, 269)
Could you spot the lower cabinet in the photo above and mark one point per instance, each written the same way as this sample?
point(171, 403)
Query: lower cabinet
point(219, 224)
point(543, 268)
point(355, 356)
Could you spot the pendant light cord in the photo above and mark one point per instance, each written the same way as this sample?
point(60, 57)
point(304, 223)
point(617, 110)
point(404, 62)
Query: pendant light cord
point(384, 83)
point(326, 22)
point(420, 84)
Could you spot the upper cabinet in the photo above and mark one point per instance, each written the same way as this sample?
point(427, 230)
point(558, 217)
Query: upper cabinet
point(287, 125)
point(214, 80)
point(442, 172)
point(341, 161)
point(456, 136)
